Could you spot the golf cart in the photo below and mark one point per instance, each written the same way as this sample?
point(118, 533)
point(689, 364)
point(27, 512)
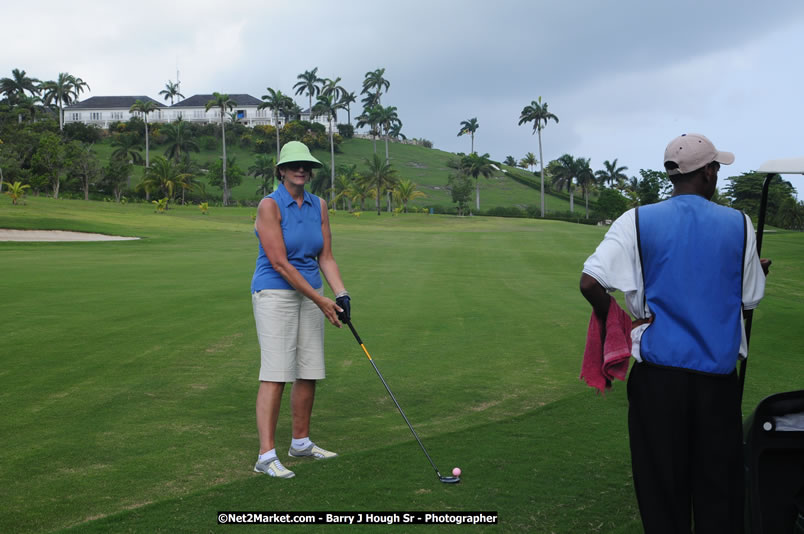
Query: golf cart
point(773, 436)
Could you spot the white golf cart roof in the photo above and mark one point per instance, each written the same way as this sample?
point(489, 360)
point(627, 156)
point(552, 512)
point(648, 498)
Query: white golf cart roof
point(783, 166)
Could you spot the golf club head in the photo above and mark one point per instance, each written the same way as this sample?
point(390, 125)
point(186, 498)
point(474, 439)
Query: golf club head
point(449, 480)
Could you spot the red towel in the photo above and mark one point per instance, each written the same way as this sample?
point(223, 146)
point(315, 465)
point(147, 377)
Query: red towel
point(603, 364)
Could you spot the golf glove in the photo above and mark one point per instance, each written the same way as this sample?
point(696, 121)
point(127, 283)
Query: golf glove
point(345, 304)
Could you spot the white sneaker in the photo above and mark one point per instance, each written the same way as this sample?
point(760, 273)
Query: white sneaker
point(312, 450)
point(273, 467)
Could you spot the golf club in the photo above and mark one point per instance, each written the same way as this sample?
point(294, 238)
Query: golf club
point(749, 314)
point(441, 478)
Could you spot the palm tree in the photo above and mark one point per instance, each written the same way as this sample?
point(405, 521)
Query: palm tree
point(179, 140)
point(170, 91)
point(319, 184)
point(528, 161)
point(475, 166)
point(328, 105)
point(331, 87)
point(144, 107)
point(387, 118)
point(375, 80)
point(537, 113)
point(406, 191)
point(18, 84)
point(16, 190)
point(359, 190)
point(396, 131)
point(162, 176)
point(186, 178)
point(347, 99)
point(510, 161)
point(222, 102)
point(28, 106)
point(277, 103)
point(64, 90)
point(469, 127)
point(341, 190)
point(309, 82)
point(263, 169)
point(586, 179)
point(15, 87)
point(371, 118)
point(380, 176)
point(611, 173)
point(127, 148)
point(565, 171)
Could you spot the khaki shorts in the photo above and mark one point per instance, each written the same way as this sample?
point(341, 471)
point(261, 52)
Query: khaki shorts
point(290, 329)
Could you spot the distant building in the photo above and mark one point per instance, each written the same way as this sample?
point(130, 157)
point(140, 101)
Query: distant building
point(100, 111)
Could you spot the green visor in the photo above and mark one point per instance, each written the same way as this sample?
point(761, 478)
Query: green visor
point(294, 151)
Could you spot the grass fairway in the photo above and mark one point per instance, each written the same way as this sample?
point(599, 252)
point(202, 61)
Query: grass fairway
point(130, 371)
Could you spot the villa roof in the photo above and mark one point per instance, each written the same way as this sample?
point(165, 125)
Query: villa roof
point(200, 101)
point(111, 102)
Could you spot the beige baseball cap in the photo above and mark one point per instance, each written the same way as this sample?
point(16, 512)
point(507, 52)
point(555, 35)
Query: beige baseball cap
point(693, 151)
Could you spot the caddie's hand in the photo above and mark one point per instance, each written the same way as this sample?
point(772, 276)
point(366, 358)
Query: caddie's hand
point(765, 263)
point(345, 304)
point(330, 310)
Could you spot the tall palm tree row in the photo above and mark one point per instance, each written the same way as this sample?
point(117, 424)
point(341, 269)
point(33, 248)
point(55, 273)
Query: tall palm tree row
point(469, 127)
point(537, 113)
point(222, 102)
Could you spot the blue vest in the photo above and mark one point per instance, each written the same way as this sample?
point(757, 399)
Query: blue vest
point(301, 231)
point(692, 254)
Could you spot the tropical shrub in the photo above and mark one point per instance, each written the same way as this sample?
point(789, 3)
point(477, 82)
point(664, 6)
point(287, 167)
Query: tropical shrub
point(347, 131)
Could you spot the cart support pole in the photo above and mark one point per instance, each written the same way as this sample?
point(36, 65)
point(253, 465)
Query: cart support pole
point(749, 314)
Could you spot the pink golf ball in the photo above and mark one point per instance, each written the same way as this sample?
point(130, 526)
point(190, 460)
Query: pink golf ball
point(456, 472)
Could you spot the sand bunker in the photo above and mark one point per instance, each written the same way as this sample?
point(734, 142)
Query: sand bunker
point(56, 235)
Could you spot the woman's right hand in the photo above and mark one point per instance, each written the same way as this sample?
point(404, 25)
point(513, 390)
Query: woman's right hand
point(330, 310)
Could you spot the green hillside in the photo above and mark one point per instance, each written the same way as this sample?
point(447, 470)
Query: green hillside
point(424, 166)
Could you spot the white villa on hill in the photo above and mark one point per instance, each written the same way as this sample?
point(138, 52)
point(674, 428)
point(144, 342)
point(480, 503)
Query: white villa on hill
point(100, 111)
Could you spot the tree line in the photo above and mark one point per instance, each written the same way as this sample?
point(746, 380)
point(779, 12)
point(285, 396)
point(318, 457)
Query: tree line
point(613, 190)
point(37, 156)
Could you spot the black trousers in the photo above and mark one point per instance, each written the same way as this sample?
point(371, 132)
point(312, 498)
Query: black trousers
point(686, 450)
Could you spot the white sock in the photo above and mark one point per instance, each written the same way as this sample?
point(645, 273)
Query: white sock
point(300, 443)
point(267, 455)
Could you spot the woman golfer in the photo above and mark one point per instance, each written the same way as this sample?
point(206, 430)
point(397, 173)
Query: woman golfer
point(289, 304)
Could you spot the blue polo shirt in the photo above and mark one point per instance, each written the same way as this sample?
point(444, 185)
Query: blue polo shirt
point(301, 231)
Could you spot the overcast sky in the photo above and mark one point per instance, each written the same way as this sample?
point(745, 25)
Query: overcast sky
point(623, 76)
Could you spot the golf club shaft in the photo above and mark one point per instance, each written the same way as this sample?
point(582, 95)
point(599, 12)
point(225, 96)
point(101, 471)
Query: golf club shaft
point(393, 398)
point(749, 320)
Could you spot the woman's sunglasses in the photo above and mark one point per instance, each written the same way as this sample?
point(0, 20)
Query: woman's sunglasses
point(293, 165)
